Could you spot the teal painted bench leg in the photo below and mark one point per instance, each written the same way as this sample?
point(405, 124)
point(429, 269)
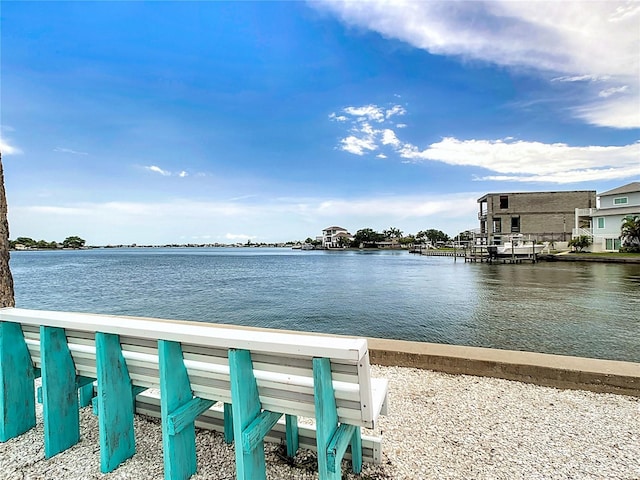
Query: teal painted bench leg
point(356, 451)
point(17, 402)
point(85, 391)
point(228, 423)
point(179, 410)
point(250, 424)
point(291, 435)
point(135, 390)
point(115, 403)
point(86, 394)
point(332, 438)
point(59, 392)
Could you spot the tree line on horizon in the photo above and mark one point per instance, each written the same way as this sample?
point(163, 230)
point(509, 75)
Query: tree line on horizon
point(368, 237)
point(69, 242)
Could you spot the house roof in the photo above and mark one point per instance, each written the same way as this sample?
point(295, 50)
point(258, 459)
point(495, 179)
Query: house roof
point(628, 188)
point(334, 228)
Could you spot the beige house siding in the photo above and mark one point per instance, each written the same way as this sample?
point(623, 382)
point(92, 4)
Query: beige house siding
point(543, 216)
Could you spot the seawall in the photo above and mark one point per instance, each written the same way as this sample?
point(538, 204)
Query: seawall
point(606, 376)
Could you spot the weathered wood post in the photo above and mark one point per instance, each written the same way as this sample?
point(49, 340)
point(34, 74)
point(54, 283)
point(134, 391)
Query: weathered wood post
point(7, 298)
point(17, 402)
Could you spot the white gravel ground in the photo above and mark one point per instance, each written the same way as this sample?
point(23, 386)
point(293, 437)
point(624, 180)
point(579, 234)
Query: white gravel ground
point(439, 427)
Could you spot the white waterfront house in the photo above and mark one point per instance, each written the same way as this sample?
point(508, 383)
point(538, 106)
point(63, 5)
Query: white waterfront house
point(331, 237)
point(603, 224)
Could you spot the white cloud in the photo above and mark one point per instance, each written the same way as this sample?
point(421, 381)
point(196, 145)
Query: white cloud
point(514, 160)
point(358, 146)
point(68, 150)
point(167, 173)
point(368, 112)
point(156, 169)
point(395, 110)
point(619, 110)
point(533, 161)
point(7, 149)
point(363, 137)
point(580, 40)
point(613, 90)
point(338, 118)
point(389, 138)
point(580, 78)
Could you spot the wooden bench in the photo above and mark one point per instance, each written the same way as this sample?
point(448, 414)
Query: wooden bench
point(239, 381)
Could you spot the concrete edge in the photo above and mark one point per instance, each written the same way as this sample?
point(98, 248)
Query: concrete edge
point(566, 372)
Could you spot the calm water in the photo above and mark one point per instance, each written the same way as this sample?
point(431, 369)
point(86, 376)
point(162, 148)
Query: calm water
point(585, 309)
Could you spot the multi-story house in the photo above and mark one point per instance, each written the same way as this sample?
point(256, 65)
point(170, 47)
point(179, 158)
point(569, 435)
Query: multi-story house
point(540, 216)
point(331, 237)
point(604, 223)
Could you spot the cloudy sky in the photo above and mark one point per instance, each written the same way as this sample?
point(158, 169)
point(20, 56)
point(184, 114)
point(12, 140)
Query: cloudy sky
point(163, 122)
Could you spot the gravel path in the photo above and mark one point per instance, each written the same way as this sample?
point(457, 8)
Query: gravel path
point(440, 427)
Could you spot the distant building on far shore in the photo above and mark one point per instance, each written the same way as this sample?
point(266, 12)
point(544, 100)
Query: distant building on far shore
point(335, 237)
point(541, 216)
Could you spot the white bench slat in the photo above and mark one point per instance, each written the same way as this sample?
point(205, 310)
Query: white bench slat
point(208, 335)
point(284, 377)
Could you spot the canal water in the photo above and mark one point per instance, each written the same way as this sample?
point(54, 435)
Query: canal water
point(582, 309)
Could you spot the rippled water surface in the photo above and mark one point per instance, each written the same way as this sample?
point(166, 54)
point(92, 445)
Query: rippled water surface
point(583, 309)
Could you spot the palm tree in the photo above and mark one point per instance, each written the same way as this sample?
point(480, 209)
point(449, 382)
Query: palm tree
point(392, 233)
point(7, 298)
point(631, 231)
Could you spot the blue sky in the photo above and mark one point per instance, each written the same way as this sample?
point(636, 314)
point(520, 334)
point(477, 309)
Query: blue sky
point(198, 122)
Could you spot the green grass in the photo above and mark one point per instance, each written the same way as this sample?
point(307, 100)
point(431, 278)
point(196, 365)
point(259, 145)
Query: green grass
point(607, 254)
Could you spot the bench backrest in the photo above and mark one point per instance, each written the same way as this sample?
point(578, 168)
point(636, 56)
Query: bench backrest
point(282, 362)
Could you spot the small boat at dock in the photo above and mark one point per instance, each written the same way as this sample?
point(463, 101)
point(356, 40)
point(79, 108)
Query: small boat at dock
point(516, 246)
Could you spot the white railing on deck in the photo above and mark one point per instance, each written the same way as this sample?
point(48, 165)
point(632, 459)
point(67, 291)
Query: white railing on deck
point(586, 212)
point(577, 232)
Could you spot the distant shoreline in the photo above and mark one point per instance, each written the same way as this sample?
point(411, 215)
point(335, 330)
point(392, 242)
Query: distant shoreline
point(557, 257)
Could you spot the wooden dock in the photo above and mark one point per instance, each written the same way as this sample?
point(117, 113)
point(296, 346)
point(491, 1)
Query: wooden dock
point(480, 254)
point(476, 254)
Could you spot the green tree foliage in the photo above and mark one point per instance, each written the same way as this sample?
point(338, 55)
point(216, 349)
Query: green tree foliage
point(392, 233)
point(26, 241)
point(46, 245)
point(73, 242)
point(432, 235)
point(580, 243)
point(313, 242)
point(408, 240)
point(367, 237)
point(344, 242)
point(630, 231)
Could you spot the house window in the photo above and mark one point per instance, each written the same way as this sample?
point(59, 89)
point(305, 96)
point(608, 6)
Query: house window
point(515, 224)
point(497, 225)
point(612, 244)
point(600, 222)
point(621, 201)
point(504, 201)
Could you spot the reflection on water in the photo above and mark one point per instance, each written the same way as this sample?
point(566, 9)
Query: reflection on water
point(566, 308)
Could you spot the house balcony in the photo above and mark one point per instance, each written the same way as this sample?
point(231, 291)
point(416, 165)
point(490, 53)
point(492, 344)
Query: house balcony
point(586, 212)
point(482, 215)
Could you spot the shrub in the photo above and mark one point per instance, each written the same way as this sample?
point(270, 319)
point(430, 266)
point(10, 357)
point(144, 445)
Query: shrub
point(581, 242)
